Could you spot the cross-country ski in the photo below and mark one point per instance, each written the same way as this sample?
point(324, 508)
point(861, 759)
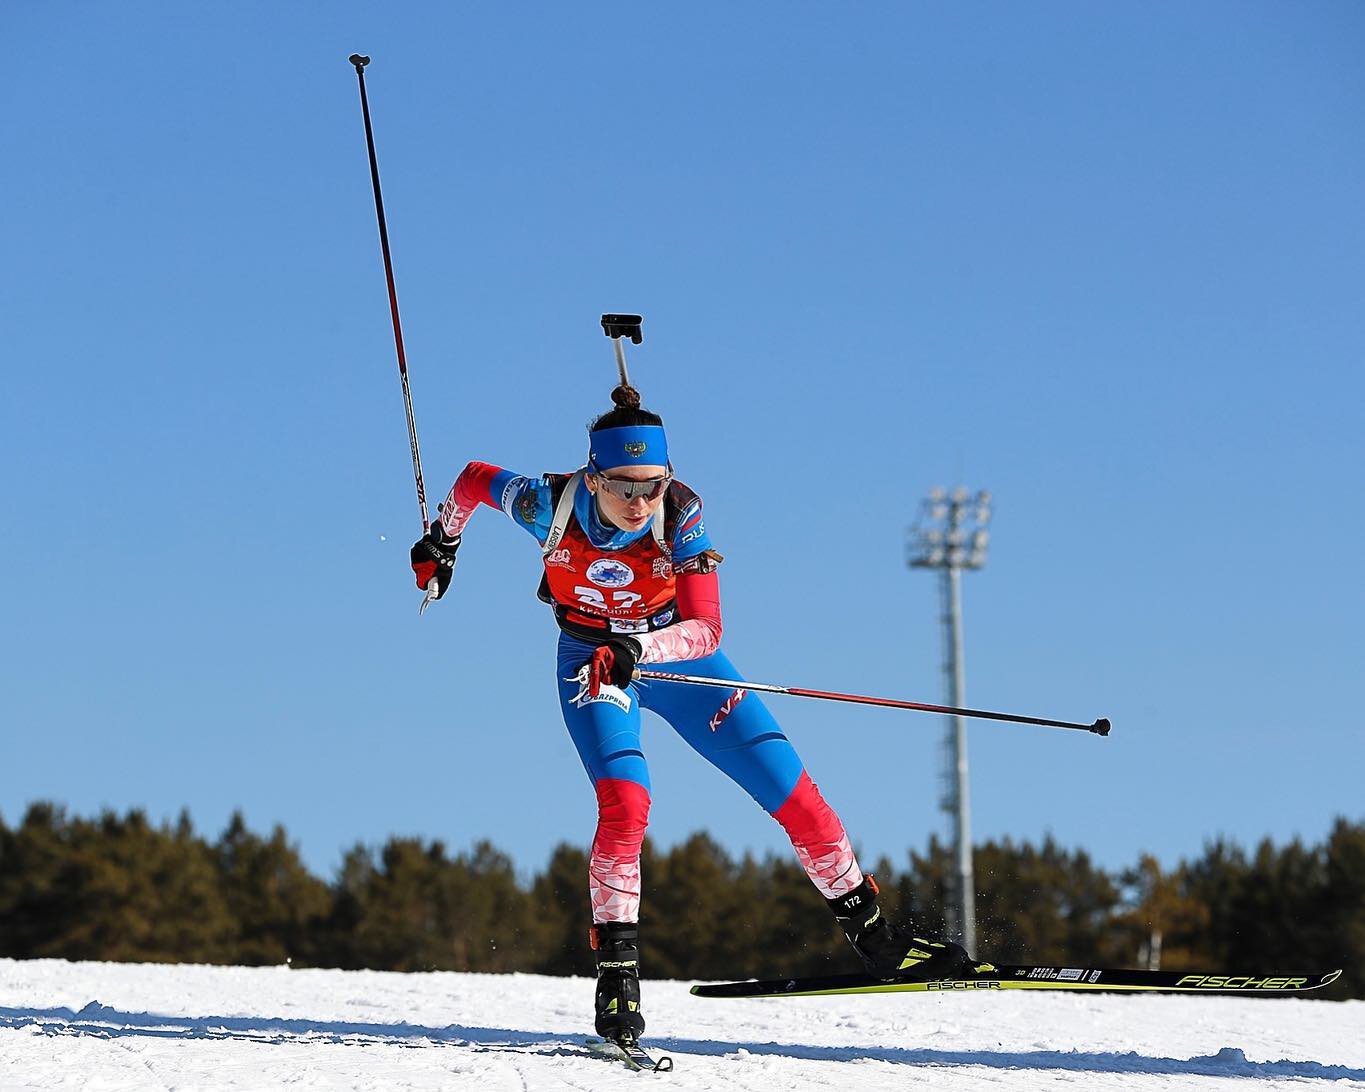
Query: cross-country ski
point(989, 977)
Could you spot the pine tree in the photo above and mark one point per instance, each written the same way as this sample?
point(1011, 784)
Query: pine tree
point(1160, 916)
point(1340, 941)
point(796, 933)
point(279, 906)
point(689, 902)
point(560, 896)
point(501, 930)
point(114, 888)
point(403, 923)
point(34, 900)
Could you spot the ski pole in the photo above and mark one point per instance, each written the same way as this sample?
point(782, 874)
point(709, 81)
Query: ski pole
point(360, 63)
point(1099, 728)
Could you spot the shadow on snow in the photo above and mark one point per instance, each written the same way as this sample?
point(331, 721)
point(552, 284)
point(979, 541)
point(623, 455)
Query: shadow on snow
point(103, 1022)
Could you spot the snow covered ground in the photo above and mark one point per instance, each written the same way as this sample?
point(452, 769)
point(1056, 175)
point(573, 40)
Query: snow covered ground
point(100, 1026)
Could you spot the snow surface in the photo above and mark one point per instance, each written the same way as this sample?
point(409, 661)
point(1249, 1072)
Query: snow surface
point(103, 1026)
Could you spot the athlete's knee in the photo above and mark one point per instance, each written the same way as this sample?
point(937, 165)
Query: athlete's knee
point(622, 816)
point(819, 838)
point(806, 817)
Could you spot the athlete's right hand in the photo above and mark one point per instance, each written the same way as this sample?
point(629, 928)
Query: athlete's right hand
point(433, 556)
point(613, 663)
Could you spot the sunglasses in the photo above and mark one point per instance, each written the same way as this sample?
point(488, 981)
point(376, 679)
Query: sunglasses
point(625, 489)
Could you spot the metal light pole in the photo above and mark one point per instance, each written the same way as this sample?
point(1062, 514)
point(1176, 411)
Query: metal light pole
point(950, 535)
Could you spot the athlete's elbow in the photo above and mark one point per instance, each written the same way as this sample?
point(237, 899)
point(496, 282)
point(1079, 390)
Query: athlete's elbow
point(476, 473)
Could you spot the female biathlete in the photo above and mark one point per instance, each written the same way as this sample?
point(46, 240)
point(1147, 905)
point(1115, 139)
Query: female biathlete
point(631, 575)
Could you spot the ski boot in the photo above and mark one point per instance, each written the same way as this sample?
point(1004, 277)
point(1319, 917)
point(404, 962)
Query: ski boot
point(616, 946)
point(890, 951)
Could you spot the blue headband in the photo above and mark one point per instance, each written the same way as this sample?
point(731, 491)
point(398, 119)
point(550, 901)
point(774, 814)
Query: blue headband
point(631, 445)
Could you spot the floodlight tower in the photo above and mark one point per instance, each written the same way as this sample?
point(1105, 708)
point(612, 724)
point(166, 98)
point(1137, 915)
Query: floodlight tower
point(950, 535)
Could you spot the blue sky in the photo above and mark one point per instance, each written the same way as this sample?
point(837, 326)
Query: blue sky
point(1104, 260)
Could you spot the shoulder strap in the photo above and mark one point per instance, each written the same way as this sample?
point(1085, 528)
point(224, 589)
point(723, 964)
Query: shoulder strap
point(563, 513)
point(657, 526)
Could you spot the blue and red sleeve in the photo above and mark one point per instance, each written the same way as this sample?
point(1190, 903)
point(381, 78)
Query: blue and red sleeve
point(524, 499)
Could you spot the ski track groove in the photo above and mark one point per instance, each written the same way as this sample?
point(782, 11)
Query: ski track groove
point(137, 1053)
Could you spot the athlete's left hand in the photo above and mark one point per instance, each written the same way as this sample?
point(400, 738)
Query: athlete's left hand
point(613, 662)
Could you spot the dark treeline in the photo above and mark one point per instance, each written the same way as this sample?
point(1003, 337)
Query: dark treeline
point(120, 888)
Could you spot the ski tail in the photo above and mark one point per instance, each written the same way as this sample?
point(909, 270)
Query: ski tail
point(633, 1054)
point(1030, 977)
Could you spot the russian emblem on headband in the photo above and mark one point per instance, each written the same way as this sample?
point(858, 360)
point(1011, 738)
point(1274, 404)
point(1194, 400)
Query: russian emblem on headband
point(635, 449)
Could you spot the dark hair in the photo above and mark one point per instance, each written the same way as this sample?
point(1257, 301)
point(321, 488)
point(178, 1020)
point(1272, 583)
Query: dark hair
point(627, 411)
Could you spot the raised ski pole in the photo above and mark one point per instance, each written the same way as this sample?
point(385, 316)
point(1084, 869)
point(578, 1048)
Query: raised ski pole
point(360, 63)
point(1099, 728)
point(616, 327)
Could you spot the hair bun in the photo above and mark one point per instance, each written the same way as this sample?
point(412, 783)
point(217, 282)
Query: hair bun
point(626, 397)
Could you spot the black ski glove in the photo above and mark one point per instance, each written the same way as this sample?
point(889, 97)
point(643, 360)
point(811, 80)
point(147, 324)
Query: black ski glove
point(433, 555)
point(613, 662)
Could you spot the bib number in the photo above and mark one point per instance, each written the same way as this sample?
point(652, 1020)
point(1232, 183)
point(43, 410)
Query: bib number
point(595, 597)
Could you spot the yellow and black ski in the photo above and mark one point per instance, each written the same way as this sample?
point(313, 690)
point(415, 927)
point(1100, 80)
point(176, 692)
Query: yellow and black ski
point(991, 977)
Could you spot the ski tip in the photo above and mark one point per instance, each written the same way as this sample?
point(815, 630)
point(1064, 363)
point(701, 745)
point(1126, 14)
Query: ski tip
point(1331, 976)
